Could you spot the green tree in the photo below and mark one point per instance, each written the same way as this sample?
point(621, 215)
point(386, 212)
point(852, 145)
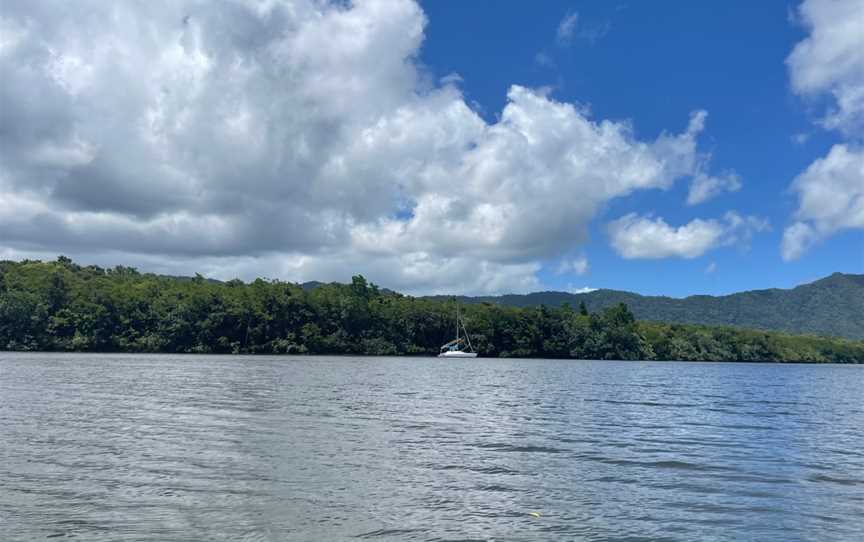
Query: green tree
point(63, 306)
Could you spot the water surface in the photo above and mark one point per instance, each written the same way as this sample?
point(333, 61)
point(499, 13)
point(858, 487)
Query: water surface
point(160, 447)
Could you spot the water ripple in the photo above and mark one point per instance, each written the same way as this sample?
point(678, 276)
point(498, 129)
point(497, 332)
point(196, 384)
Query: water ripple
point(147, 448)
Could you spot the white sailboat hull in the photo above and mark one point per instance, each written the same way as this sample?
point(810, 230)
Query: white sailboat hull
point(454, 349)
point(457, 354)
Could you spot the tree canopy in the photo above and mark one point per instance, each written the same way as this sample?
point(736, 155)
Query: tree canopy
point(831, 306)
point(63, 306)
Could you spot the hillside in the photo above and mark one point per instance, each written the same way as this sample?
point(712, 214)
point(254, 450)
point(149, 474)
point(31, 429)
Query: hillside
point(833, 306)
point(63, 306)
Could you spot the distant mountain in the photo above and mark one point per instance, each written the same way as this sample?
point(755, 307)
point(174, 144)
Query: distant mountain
point(833, 305)
point(311, 285)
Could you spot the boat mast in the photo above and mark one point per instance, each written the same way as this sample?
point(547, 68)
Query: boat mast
point(457, 323)
point(467, 337)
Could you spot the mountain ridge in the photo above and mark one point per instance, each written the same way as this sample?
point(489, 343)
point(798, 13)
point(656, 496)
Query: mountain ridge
point(832, 305)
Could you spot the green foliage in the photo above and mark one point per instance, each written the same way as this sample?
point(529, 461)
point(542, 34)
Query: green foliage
point(62, 306)
point(831, 306)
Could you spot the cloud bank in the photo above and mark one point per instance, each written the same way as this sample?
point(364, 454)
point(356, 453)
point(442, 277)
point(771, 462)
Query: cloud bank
point(299, 140)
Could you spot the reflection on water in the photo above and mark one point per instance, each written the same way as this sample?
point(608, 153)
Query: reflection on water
point(103, 447)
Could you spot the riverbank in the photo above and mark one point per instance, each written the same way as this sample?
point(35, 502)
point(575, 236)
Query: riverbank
point(62, 306)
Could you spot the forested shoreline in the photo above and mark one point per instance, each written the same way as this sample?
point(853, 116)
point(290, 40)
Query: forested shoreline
point(63, 306)
point(831, 306)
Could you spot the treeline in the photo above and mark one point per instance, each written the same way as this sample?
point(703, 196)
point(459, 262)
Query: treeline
point(831, 306)
point(62, 306)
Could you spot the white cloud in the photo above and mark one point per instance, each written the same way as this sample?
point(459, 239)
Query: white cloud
point(567, 27)
point(704, 187)
point(830, 199)
point(638, 237)
point(797, 238)
point(544, 60)
point(451, 79)
point(800, 138)
point(711, 268)
point(578, 265)
point(581, 290)
point(594, 32)
point(740, 229)
point(642, 237)
point(297, 140)
point(830, 60)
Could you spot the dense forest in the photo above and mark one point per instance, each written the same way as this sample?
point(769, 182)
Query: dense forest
point(831, 306)
point(62, 306)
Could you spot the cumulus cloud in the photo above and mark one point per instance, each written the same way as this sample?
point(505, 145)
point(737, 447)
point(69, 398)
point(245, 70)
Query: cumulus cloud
point(643, 237)
point(830, 62)
point(797, 238)
point(578, 266)
point(830, 199)
point(704, 187)
point(296, 140)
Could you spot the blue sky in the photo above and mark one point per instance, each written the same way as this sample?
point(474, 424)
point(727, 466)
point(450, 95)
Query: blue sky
point(439, 147)
point(653, 63)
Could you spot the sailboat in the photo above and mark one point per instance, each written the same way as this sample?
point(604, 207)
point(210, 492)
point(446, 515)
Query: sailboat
point(460, 347)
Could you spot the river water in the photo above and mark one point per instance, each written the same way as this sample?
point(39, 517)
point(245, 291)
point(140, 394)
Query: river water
point(162, 447)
